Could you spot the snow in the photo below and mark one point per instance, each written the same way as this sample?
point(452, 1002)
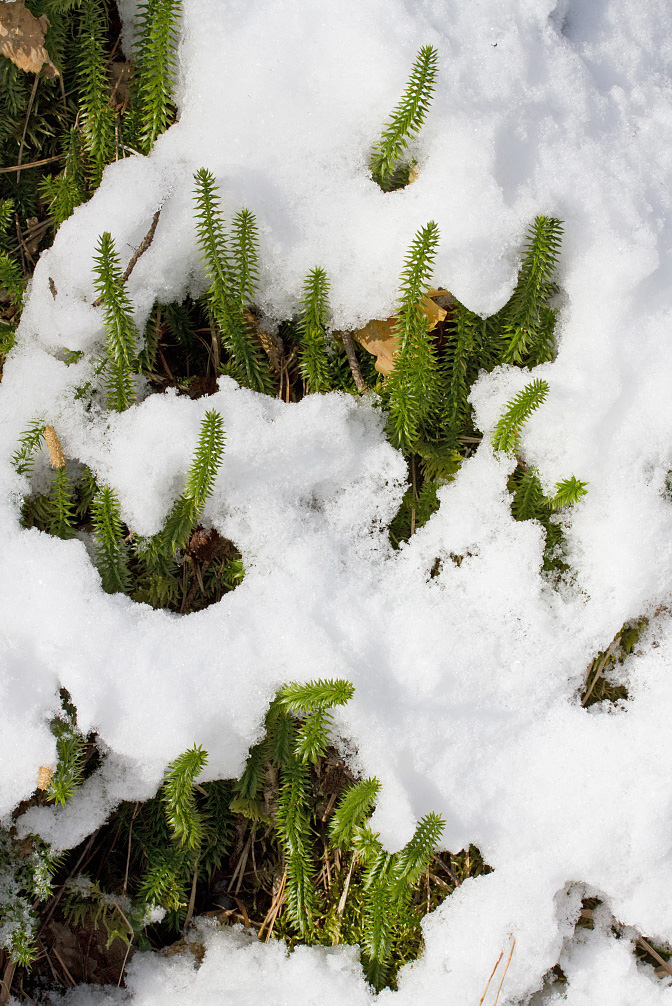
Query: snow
point(466, 683)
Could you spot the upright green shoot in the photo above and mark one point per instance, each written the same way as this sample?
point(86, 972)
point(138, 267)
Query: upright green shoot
point(232, 268)
point(412, 384)
point(121, 334)
point(199, 483)
point(405, 122)
point(312, 330)
point(111, 547)
point(506, 435)
point(182, 814)
point(156, 41)
point(97, 116)
point(529, 322)
point(70, 752)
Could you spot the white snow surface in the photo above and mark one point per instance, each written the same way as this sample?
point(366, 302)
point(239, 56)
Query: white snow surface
point(466, 683)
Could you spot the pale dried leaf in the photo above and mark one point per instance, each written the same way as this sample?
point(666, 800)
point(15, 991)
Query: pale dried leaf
point(44, 776)
point(22, 38)
point(379, 338)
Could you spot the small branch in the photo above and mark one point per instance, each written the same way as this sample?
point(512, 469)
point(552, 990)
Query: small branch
point(7, 978)
point(25, 125)
point(33, 164)
point(140, 250)
point(353, 361)
point(654, 953)
point(192, 901)
point(144, 245)
point(610, 652)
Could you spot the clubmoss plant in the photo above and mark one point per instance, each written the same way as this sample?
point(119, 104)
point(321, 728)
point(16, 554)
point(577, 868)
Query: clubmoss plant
point(121, 334)
point(387, 167)
point(156, 51)
point(232, 268)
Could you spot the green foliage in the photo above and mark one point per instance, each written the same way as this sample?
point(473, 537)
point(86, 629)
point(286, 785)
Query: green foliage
point(62, 520)
point(111, 548)
point(294, 834)
point(199, 485)
point(312, 330)
point(178, 795)
point(26, 879)
point(66, 190)
point(530, 503)
point(11, 278)
point(121, 333)
point(96, 114)
point(506, 435)
point(156, 65)
point(405, 122)
point(567, 492)
point(231, 267)
point(411, 387)
point(315, 696)
point(355, 805)
point(388, 878)
point(29, 442)
point(70, 753)
point(528, 320)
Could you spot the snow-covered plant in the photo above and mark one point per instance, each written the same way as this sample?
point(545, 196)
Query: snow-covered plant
point(506, 435)
point(231, 266)
point(312, 331)
point(30, 442)
point(156, 66)
point(70, 752)
point(387, 879)
point(529, 322)
point(26, 878)
point(111, 549)
point(121, 333)
point(199, 484)
point(411, 388)
point(178, 796)
point(405, 122)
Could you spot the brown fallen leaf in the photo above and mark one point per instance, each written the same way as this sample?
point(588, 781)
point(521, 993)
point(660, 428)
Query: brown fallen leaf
point(44, 776)
point(22, 38)
point(378, 337)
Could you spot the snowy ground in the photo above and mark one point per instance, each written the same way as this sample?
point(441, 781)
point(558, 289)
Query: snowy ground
point(466, 684)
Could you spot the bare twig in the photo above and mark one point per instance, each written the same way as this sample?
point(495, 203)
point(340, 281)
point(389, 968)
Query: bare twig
point(128, 853)
point(33, 164)
point(346, 886)
point(492, 975)
point(140, 250)
point(455, 879)
point(274, 910)
point(25, 125)
point(353, 361)
point(513, 946)
point(645, 945)
point(144, 245)
point(192, 901)
point(7, 979)
point(123, 963)
point(66, 972)
point(602, 663)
